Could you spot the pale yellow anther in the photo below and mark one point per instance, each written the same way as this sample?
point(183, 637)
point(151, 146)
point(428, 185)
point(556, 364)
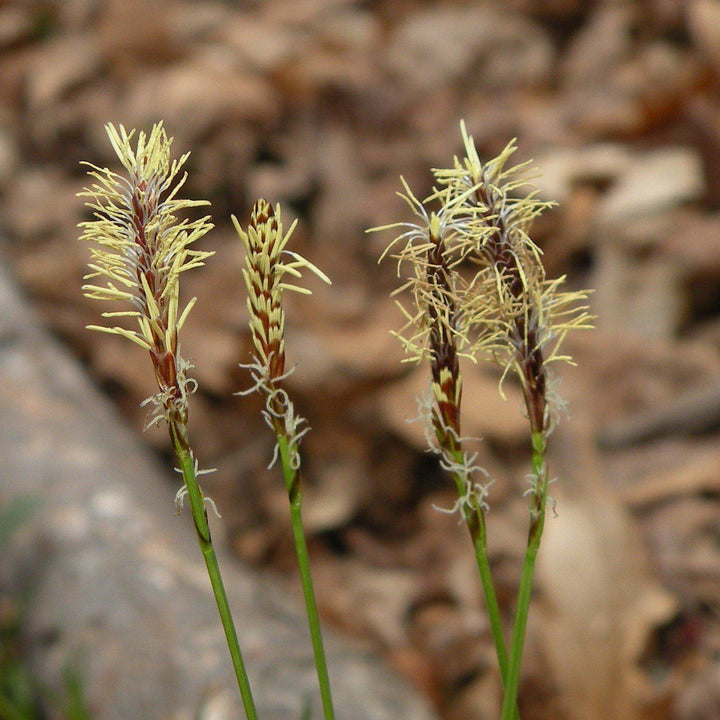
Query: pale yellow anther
point(121, 255)
point(481, 213)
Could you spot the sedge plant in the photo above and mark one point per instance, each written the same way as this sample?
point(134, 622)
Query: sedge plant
point(477, 288)
point(139, 250)
point(267, 263)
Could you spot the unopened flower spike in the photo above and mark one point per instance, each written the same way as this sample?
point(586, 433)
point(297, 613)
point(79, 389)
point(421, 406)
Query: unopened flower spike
point(267, 263)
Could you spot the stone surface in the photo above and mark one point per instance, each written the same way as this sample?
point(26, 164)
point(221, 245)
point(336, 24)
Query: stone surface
point(113, 578)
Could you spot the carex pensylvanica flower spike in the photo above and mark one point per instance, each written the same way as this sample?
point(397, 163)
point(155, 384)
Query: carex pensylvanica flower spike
point(140, 248)
point(520, 316)
point(477, 287)
point(430, 241)
point(439, 328)
point(268, 262)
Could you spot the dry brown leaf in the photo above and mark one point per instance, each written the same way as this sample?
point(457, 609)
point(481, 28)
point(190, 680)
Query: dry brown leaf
point(600, 606)
point(699, 476)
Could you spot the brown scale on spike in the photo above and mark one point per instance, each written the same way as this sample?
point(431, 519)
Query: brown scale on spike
point(498, 252)
point(444, 364)
point(264, 274)
point(266, 264)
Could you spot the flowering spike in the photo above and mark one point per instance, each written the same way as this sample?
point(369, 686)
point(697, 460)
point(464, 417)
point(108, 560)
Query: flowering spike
point(508, 310)
point(140, 245)
point(521, 315)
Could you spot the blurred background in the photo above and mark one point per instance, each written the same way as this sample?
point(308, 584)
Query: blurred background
point(321, 105)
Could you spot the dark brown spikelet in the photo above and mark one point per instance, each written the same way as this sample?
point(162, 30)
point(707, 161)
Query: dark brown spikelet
point(444, 363)
point(523, 315)
point(503, 251)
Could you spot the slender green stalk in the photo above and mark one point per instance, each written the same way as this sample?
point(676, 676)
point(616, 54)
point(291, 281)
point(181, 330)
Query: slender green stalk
point(294, 489)
point(202, 529)
point(537, 523)
point(475, 522)
point(476, 526)
point(10, 711)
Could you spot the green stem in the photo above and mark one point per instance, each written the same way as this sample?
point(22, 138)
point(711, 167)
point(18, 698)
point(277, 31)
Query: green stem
point(292, 483)
point(9, 711)
point(202, 529)
point(537, 522)
point(475, 521)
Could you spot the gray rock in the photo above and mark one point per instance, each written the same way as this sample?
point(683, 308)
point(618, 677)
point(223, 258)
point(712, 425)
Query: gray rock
point(114, 580)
